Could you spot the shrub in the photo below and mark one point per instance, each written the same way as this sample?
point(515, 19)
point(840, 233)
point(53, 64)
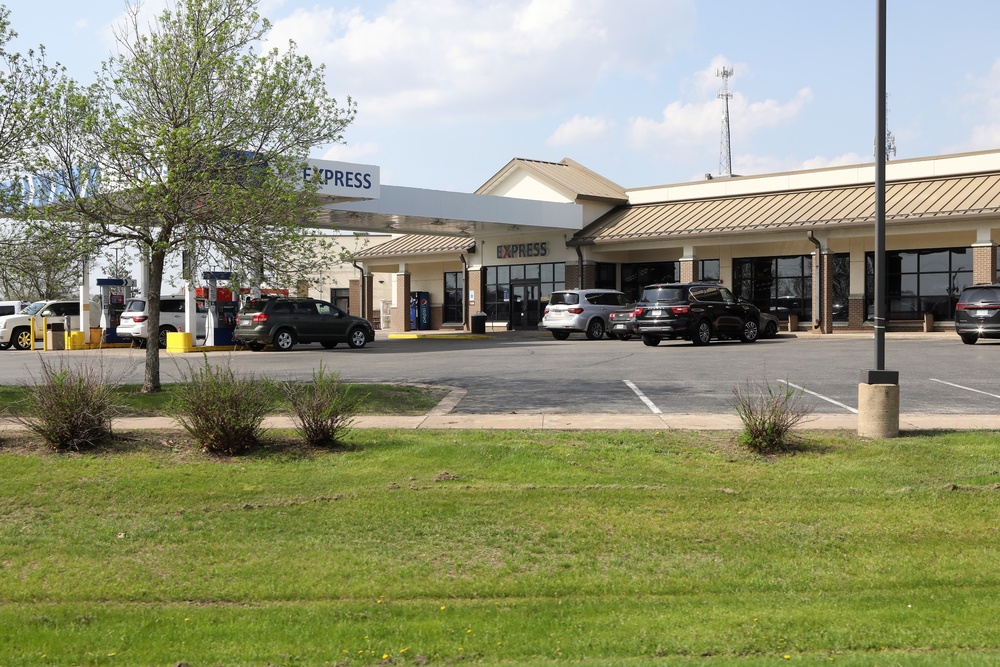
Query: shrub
point(223, 412)
point(324, 409)
point(769, 415)
point(71, 407)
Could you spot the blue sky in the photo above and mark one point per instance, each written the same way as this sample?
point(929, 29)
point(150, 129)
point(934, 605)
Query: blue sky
point(449, 91)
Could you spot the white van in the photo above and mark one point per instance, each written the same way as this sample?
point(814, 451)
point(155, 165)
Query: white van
point(132, 324)
point(12, 307)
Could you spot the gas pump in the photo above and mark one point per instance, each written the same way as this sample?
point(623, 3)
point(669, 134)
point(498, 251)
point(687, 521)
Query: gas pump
point(222, 310)
point(112, 306)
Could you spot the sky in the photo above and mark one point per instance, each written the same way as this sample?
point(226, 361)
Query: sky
point(449, 91)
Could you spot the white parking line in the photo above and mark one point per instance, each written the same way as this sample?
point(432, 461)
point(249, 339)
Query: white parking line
point(958, 386)
point(642, 396)
point(813, 393)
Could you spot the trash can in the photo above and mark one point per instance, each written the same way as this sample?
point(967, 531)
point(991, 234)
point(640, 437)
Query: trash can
point(57, 335)
point(478, 322)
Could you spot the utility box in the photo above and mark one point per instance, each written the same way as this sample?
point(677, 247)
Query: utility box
point(56, 334)
point(478, 323)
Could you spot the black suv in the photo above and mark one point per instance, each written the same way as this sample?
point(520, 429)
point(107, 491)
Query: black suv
point(283, 322)
point(977, 314)
point(697, 312)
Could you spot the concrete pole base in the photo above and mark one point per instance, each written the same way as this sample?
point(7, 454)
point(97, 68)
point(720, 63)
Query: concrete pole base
point(878, 410)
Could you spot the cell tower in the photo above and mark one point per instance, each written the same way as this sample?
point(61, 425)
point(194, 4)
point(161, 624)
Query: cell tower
point(725, 151)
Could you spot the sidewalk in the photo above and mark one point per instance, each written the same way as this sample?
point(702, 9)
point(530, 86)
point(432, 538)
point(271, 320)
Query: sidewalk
point(585, 422)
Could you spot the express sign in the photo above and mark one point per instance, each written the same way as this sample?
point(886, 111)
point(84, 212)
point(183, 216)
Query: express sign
point(343, 179)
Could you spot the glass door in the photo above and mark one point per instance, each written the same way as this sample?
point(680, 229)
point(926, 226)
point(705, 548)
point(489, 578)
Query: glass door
point(525, 305)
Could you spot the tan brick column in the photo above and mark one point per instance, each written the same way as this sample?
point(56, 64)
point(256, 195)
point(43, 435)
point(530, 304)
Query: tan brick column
point(984, 263)
point(400, 318)
point(354, 297)
point(689, 270)
point(825, 308)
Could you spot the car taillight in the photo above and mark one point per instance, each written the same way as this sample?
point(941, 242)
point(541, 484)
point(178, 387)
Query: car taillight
point(977, 306)
point(139, 318)
point(680, 310)
point(546, 311)
point(260, 317)
point(639, 311)
point(576, 311)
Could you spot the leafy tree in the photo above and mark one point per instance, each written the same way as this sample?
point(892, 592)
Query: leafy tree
point(31, 264)
point(192, 140)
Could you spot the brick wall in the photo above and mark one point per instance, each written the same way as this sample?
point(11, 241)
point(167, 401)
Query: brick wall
point(689, 270)
point(573, 275)
point(984, 263)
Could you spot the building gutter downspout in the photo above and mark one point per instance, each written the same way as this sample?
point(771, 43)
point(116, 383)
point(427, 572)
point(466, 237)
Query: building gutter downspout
point(361, 306)
point(579, 264)
point(818, 311)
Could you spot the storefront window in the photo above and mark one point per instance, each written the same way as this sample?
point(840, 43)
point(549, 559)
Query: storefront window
point(779, 285)
point(548, 278)
point(637, 276)
point(709, 269)
point(920, 281)
point(841, 286)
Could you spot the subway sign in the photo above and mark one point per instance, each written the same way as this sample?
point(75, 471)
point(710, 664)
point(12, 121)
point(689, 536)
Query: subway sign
point(343, 179)
point(519, 250)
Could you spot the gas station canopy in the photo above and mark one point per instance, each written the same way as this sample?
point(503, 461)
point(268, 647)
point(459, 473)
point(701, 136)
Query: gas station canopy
point(353, 200)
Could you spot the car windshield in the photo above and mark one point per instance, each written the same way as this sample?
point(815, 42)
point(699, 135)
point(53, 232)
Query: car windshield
point(564, 299)
point(981, 295)
point(254, 305)
point(654, 294)
point(137, 305)
point(33, 308)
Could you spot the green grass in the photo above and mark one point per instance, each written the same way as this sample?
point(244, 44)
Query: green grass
point(380, 399)
point(529, 548)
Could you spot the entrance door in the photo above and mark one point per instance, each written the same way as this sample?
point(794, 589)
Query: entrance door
point(525, 305)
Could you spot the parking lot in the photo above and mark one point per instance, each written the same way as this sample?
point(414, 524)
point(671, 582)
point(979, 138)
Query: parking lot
point(532, 373)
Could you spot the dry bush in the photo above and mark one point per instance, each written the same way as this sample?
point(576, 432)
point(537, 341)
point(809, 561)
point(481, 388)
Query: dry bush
point(768, 415)
point(324, 409)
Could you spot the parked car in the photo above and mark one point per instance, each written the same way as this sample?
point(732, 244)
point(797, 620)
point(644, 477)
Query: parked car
point(768, 325)
point(583, 311)
point(697, 312)
point(16, 329)
point(12, 307)
point(622, 324)
point(132, 325)
point(977, 313)
point(283, 322)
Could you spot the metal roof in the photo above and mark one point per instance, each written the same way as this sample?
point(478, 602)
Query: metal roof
point(571, 176)
point(916, 200)
point(418, 244)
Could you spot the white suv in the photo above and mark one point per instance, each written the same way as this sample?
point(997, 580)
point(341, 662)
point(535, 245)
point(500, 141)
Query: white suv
point(132, 323)
point(582, 310)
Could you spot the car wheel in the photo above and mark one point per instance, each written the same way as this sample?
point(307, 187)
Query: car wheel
point(137, 343)
point(162, 338)
point(22, 339)
point(702, 333)
point(256, 347)
point(356, 338)
point(969, 339)
point(651, 341)
point(329, 344)
point(610, 334)
point(560, 335)
point(595, 330)
point(771, 330)
point(284, 340)
point(750, 331)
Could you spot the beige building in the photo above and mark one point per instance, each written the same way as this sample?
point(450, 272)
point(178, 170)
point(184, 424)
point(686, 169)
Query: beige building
point(796, 244)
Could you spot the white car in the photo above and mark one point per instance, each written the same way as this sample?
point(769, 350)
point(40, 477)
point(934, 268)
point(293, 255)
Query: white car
point(16, 329)
point(582, 310)
point(132, 325)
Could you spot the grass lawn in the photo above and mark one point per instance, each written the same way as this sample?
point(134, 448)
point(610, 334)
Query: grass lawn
point(503, 548)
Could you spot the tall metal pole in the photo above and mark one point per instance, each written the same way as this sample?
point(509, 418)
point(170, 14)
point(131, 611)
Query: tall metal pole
point(880, 305)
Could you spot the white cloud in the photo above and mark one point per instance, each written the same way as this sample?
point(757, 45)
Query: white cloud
point(580, 130)
point(460, 59)
point(691, 124)
point(351, 153)
point(980, 108)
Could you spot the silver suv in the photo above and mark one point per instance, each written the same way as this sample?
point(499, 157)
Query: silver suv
point(582, 310)
point(132, 324)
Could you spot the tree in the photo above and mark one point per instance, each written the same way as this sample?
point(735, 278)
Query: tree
point(191, 140)
point(32, 265)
